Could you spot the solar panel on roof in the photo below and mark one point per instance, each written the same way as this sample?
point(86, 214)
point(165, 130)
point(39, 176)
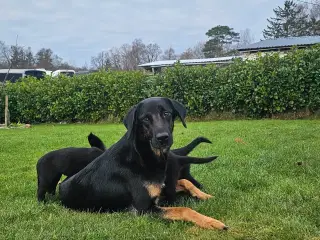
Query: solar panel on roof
point(282, 42)
point(188, 61)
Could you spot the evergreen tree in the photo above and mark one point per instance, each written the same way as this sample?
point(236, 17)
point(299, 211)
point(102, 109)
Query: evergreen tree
point(313, 27)
point(29, 58)
point(290, 21)
point(220, 37)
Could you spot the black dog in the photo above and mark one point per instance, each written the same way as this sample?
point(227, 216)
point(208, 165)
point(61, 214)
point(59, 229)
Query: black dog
point(66, 161)
point(94, 141)
point(69, 161)
point(179, 168)
point(174, 181)
point(184, 170)
point(131, 173)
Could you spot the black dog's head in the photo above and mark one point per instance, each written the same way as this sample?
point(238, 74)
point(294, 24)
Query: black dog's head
point(151, 122)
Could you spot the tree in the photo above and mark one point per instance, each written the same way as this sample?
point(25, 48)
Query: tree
point(137, 55)
point(313, 27)
point(289, 21)
point(314, 19)
point(197, 50)
point(220, 38)
point(169, 54)
point(127, 60)
point(315, 10)
point(101, 61)
point(115, 58)
point(44, 58)
point(17, 57)
point(65, 65)
point(56, 62)
point(4, 55)
point(187, 54)
point(246, 37)
point(129, 56)
point(29, 58)
point(152, 52)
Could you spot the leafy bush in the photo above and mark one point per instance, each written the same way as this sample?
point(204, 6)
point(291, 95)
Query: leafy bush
point(257, 88)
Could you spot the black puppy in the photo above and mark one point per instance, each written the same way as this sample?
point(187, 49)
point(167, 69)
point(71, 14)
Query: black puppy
point(184, 170)
point(94, 141)
point(131, 173)
point(179, 168)
point(66, 161)
point(173, 180)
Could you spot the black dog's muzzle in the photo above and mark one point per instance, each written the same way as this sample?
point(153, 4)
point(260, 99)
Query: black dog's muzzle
point(161, 143)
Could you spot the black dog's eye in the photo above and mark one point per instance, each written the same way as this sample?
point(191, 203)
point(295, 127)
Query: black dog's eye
point(167, 114)
point(146, 119)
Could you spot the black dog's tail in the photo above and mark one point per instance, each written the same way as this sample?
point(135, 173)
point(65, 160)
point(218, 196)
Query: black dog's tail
point(96, 142)
point(183, 160)
point(184, 151)
point(196, 160)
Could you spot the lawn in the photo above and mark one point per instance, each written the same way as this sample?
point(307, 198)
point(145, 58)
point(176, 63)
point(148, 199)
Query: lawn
point(265, 183)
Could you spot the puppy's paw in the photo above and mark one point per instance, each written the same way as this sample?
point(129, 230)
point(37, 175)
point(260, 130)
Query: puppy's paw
point(211, 223)
point(204, 196)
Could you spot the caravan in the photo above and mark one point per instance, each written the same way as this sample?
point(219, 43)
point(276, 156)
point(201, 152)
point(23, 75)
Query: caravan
point(13, 75)
point(69, 73)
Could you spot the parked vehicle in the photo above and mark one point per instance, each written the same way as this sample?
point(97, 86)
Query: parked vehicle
point(13, 75)
point(85, 72)
point(69, 73)
point(48, 72)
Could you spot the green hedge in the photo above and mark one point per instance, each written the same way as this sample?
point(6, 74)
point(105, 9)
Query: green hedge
point(256, 88)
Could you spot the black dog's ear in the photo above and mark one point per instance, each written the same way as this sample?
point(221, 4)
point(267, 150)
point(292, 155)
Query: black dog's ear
point(180, 111)
point(129, 119)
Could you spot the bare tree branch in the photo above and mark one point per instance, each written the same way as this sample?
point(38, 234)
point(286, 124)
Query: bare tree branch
point(5, 78)
point(169, 54)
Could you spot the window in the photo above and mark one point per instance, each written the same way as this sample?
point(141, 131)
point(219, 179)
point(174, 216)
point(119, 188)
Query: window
point(12, 77)
point(69, 74)
point(35, 73)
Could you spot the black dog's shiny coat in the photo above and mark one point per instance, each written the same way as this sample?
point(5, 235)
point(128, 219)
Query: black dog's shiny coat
point(66, 161)
point(179, 168)
point(184, 168)
point(69, 161)
point(131, 173)
point(120, 177)
point(94, 141)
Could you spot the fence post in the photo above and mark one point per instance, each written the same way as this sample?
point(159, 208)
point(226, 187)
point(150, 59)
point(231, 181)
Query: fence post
point(6, 112)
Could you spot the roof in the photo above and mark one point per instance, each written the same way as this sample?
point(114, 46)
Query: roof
point(166, 63)
point(282, 42)
point(12, 70)
point(63, 70)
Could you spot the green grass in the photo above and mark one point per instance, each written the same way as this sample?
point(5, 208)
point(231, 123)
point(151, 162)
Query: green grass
point(259, 189)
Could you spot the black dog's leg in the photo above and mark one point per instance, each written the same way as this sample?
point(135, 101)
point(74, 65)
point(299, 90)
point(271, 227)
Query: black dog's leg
point(144, 198)
point(185, 174)
point(188, 148)
point(53, 184)
point(47, 184)
point(41, 193)
point(185, 161)
point(172, 176)
point(175, 162)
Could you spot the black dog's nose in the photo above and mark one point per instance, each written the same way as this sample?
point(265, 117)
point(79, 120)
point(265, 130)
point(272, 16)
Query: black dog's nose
point(162, 137)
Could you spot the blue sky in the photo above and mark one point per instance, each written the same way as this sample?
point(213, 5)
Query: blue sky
point(78, 29)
